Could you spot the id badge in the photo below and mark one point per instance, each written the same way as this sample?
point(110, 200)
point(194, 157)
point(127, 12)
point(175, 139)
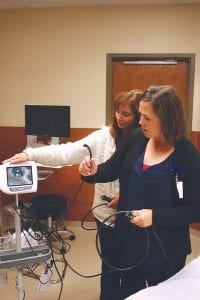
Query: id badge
point(179, 185)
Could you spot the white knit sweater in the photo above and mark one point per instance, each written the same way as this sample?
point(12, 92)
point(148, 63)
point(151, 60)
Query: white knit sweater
point(102, 145)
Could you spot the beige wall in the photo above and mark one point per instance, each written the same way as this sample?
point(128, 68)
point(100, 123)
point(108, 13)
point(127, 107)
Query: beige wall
point(58, 56)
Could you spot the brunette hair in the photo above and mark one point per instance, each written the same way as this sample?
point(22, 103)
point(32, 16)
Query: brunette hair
point(167, 105)
point(132, 97)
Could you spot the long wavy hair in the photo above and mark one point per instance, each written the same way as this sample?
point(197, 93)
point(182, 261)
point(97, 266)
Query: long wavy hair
point(132, 97)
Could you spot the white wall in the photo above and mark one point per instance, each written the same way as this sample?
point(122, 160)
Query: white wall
point(58, 56)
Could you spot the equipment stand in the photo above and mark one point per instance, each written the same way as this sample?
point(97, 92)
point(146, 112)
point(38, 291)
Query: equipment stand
point(14, 181)
point(18, 248)
point(20, 257)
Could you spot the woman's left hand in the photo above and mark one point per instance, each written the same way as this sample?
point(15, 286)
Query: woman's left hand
point(142, 218)
point(114, 202)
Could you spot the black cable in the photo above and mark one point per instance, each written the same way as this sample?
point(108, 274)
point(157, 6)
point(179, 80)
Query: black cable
point(48, 234)
point(104, 260)
point(111, 267)
point(37, 221)
point(60, 277)
point(105, 198)
point(82, 275)
point(30, 273)
point(147, 248)
point(44, 230)
point(75, 196)
point(59, 238)
point(87, 214)
point(30, 246)
point(89, 150)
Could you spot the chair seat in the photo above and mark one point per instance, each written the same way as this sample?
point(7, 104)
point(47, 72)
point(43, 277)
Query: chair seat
point(48, 204)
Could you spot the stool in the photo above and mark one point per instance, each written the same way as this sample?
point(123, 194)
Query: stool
point(50, 208)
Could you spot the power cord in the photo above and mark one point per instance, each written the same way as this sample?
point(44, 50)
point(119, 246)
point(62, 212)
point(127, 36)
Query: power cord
point(75, 196)
point(45, 235)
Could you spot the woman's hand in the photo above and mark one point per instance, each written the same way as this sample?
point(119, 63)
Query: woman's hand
point(88, 166)
point(114, 202)
point(17, 158)
point(142, 218)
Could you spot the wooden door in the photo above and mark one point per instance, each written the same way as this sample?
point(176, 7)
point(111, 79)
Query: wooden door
point(128, 76)
point(127, 73)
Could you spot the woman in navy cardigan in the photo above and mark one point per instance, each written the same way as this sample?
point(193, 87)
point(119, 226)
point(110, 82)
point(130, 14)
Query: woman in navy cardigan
point(159, 172)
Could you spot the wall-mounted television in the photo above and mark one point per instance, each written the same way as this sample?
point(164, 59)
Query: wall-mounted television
point(47, 120)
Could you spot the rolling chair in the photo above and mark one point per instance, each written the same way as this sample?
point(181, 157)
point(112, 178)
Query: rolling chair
point(50, 209)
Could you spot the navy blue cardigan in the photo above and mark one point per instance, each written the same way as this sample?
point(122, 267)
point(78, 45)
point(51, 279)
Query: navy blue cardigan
point(184, 212)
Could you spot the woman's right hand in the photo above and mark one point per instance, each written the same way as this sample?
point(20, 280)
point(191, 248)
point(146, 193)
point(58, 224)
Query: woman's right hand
point(88, 167)
point(17, 158)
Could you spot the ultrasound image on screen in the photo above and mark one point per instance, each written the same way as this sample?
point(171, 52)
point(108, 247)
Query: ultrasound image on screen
point(19, 176)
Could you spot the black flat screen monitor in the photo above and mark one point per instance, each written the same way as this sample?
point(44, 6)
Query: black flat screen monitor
point(47, 120)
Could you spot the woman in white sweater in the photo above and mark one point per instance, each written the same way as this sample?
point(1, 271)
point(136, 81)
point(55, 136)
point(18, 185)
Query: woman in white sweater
point(103, 143)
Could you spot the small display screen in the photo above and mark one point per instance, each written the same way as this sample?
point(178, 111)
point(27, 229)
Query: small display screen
point(19, 176)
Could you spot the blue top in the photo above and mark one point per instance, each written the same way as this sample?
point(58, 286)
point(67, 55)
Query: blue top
point(148, 189)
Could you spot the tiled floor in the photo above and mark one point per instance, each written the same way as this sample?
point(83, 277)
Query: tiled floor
point(84, 259)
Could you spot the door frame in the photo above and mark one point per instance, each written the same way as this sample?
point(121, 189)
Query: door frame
point(188, 57)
